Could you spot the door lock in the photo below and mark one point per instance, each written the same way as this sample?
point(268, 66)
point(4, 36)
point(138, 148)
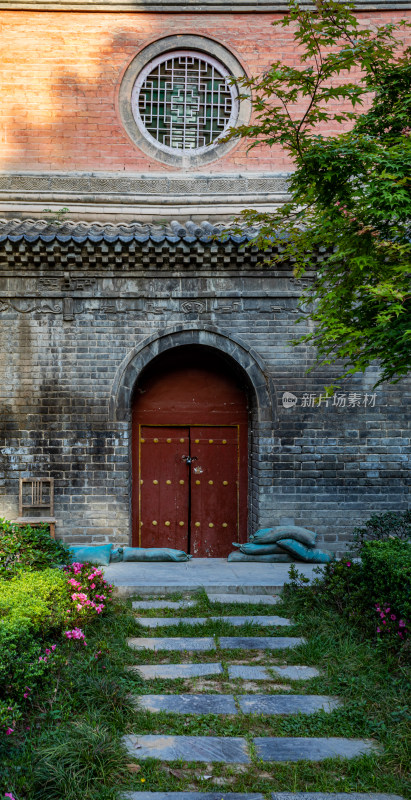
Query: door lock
point(189, 459)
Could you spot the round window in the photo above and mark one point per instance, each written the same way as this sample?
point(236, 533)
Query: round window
point(178, 99)
point(184, 101)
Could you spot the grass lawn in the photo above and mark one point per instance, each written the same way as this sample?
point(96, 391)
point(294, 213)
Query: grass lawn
point(73, 747)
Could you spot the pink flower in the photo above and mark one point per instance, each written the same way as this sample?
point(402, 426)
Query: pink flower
point(53, 646)
point(393, 616)
point(25, 695)
point(401, 623)
point(384, 622)
point(10, 795)
point(348, 563)
point(9, 731)
point(378, 630)
point(382, 615)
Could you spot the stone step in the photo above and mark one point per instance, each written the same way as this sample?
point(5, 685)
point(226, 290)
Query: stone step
point(207, 643)
point(189, 643)
point(187, 703)
point(274, 796)
point(299, 748)
point(235, 751)
point(188, 748)
point(332, 796)
point(149, 605)
point(273, 704)
point(260, 642)
point(267, 599)
point(292, 673)
point(171, 671)
point(162, 622)
point(191, 796)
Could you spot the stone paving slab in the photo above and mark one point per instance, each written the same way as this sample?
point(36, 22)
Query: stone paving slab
point(267, 599)
point(152, 671)
point(247, 673)
point(296, 673)
point(149, 605)
point(333, 796)
point(299, 748)
point(161, 622)
point(260, 642)
point(212, 574)
point(173, 643)
point(188, 748)
point(188, 703)
point(286, 703)
point(193, 796)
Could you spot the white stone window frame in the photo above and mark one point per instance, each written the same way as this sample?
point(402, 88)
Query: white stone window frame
point(135, 75)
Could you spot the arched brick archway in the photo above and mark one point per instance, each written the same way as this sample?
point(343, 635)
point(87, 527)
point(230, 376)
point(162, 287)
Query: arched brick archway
point(244, 357)
point(243, 360)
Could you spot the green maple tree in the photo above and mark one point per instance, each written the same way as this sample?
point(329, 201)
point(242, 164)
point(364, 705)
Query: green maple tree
point(350, 197)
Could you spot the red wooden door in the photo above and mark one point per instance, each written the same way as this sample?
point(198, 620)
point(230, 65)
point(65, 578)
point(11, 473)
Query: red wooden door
point(214, 491)
point(164, 487)
point(188, 404)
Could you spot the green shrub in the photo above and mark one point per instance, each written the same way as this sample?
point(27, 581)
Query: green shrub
point(28, 548)
point(33, 607)
point(386, 574)
point(383, 526)
point(38, 599)
point(361, 591)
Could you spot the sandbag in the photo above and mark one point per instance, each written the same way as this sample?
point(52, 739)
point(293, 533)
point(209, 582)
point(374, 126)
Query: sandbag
point(94, 554)
point(303, 553)
point(270, 558)
point(272, 535)
point(154, 554)
point(116, 555)
point(254, 549)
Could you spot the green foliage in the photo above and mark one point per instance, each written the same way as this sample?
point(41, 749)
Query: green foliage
point(82, 757)
point(357, 590)
point(350, 193)
point(387, 574)
point(28, 548)
point(383, 526)
point(32, 611)
point(37, 598)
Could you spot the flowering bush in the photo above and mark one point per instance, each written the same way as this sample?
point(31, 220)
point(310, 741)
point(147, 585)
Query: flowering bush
point(91, 592)
point(37, 611)
point(354, 589)
point(390, 627)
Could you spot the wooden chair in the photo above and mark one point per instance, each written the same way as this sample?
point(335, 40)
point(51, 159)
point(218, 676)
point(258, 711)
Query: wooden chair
point(40, 494)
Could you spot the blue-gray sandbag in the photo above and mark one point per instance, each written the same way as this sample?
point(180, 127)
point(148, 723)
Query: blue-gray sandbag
point(308, 554)
point(270, 558)
point(273, 535)
point(255, 549)
point(154, 554)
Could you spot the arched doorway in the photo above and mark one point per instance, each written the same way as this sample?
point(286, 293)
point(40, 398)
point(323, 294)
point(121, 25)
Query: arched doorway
point(190, 453)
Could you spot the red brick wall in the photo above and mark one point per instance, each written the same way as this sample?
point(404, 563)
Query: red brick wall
point(61, 73)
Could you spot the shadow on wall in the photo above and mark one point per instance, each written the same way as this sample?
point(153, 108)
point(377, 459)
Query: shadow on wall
point(60, 108)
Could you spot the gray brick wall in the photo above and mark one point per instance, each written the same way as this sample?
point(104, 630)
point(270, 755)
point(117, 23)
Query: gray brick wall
point(64, 336)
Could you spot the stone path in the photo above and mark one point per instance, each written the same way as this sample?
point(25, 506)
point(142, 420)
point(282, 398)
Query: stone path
point(232, 680)
point(249, 599)
point(161, 622)
point(273, 795)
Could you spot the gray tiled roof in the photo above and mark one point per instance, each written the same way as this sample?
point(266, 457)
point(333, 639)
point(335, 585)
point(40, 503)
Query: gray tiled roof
point(33, 230)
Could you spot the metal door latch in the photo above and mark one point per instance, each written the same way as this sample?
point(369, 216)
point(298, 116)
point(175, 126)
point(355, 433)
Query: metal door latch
point(189, 459)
